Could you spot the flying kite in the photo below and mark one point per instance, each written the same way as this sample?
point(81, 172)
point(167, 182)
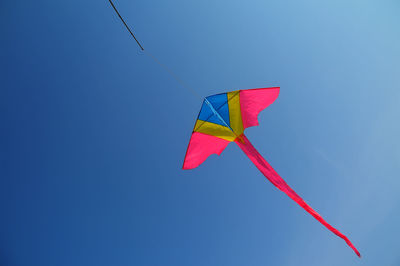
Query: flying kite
point(223, 119)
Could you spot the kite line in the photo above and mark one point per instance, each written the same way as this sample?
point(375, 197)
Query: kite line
point(126, 25)
point(175, 76)
point(155, 59)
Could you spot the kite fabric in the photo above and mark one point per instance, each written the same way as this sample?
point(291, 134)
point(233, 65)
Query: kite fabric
point(223, 119)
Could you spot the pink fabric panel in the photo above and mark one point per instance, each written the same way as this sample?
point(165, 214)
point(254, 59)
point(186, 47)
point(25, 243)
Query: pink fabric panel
point(278, 181)
point(253, 101)
point(200, 147)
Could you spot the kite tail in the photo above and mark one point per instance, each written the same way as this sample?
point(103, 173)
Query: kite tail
point(275, 179)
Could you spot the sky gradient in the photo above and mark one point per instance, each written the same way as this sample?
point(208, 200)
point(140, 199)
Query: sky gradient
point(94, 133)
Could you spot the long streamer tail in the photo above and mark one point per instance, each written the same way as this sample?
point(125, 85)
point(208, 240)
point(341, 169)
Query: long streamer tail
point(275, 179)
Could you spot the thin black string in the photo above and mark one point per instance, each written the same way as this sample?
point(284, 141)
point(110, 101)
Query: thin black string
point(176, 77)
point(127, 27)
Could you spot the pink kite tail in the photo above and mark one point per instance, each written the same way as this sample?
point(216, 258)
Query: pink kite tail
point(275, 179)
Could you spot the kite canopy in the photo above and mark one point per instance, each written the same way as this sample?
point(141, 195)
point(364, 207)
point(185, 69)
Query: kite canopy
point(223, 119)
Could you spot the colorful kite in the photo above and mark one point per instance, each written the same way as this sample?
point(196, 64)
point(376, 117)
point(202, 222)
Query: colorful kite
point(223, 119)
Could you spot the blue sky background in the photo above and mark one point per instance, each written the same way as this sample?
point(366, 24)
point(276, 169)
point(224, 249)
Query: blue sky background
point(93, 133)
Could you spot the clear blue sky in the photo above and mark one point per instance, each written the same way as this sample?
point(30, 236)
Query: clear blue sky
point(93, 133)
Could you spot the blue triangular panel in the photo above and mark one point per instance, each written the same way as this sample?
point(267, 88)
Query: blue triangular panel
point(219, 102)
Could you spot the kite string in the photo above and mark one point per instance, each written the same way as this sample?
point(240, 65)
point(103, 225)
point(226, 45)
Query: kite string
point(126, 25)
point(172, 74)
point(175, 76)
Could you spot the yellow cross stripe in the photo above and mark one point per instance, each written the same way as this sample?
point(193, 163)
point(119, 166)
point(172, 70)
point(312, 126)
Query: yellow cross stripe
point(235, 114)
point(214, 130)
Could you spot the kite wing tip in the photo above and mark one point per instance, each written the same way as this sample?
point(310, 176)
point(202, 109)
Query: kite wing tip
point(186, 168)
point(200, 147)
point(253, 101)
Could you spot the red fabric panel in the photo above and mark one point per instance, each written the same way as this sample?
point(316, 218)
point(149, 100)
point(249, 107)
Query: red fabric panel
point(253, 101)
point(200, 147)
point(275, 179)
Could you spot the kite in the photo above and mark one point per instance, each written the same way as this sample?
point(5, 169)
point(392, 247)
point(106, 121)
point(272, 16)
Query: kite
point(223, 119)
